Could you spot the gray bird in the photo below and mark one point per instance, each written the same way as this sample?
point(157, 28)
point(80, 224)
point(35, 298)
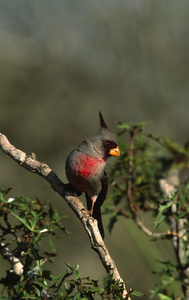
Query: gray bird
point(86, 168)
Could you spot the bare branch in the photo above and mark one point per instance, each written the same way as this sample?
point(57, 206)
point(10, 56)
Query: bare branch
point(33, 165)
point(17, 266)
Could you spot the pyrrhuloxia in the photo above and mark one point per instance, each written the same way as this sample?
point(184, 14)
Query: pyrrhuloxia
point(86, 168)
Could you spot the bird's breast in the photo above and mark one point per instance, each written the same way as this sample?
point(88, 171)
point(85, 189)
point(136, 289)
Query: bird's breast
point(85, 172)
point(87, 166)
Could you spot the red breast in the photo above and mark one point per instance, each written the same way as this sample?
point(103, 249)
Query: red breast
point(84, 172)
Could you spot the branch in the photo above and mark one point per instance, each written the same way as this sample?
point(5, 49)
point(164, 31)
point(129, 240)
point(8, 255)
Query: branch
point(17, 266)
point(138, 222)
point(33, 165)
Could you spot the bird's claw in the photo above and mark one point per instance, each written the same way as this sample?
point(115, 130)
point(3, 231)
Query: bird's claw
point(88, 212)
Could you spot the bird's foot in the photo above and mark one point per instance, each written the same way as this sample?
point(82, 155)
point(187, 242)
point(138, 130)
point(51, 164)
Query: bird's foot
point(88, 212)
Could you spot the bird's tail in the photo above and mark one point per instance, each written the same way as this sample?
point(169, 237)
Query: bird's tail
point(97, 216)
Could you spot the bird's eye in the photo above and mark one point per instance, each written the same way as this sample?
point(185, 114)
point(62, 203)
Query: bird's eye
point(107, 144)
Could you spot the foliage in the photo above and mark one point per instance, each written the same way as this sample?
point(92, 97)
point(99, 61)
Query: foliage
point(151, 177)
point(25, 223)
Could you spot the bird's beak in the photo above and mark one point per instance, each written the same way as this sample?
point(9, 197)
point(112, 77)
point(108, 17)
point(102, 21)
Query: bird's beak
point(115, 151)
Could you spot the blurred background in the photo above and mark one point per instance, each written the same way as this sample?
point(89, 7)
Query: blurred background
point(63, 61)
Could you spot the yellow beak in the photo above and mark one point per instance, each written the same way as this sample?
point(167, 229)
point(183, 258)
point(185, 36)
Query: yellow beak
point(115, 151)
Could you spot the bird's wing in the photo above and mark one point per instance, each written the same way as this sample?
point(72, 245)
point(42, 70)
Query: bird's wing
point(104, 189)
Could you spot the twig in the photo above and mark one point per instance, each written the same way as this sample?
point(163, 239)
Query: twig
point(130, 175)
point(68, 274)
point(97, 244)
point(138, 222)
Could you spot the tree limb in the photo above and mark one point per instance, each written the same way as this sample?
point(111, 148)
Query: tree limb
point(17, 266)
point(90, 224)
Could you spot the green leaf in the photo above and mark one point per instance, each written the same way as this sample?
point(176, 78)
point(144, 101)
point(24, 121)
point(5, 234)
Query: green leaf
point(107, 280)
point(53, 247)
point(124, 126)
point(137, 293)
point(162, 286)
point(164, 297)
point(74, 270)
point(169, 265)
point(158, 222)
point(162, 214)
point(162, 208)
point(56, 278)
point(95, 289)
point(133, 126)
point(30, 224)
point(77, 296)
point(36, 240)
point(35, 219)
point(29, 296)
point(38, 291)
point(22, 220)
point(40, 283)
point(3, 194)
point(173, 147)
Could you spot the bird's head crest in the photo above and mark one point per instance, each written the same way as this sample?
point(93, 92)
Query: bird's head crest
point(102, 123)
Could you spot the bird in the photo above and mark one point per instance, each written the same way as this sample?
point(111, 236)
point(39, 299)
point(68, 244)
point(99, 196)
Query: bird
point(86, 168)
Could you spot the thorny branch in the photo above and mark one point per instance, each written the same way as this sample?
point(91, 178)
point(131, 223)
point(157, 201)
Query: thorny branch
point(168, 186)
point(137, 220)
point(132, 209)
point(97, 244)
